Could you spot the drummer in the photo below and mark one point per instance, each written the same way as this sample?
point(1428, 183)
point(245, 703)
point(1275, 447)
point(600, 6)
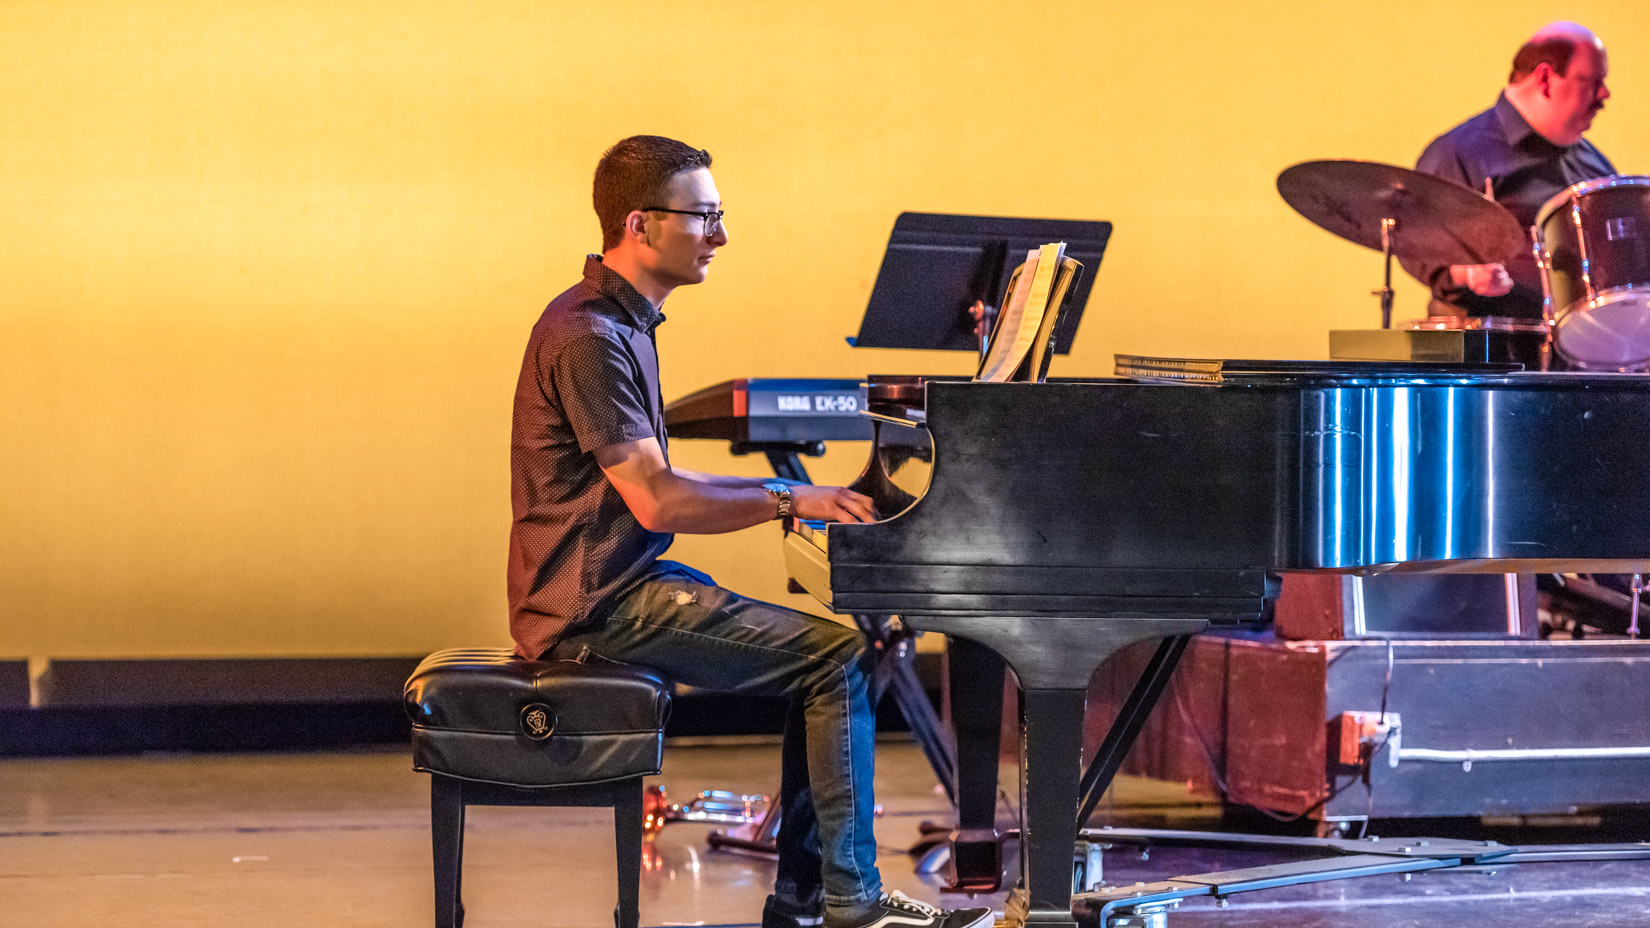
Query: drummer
point(1522, 152)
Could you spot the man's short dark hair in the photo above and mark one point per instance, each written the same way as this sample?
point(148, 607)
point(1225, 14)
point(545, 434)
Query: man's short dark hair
point(636, 173)
point(1555, 52)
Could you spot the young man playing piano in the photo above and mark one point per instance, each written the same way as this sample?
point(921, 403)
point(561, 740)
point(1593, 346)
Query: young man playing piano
point(596, 502)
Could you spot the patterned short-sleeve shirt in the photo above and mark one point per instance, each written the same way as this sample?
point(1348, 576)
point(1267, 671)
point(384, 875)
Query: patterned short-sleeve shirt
point(590, 378)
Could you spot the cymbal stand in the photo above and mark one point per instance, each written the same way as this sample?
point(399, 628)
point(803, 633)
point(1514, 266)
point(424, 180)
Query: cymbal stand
point(1389, 231)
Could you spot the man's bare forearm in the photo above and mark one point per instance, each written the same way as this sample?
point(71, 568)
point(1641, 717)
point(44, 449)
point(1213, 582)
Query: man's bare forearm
point(727, 480)
point(688, 506)
point(664, 499)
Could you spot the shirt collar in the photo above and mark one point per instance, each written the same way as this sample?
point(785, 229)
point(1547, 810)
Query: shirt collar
point(1514, 127)
point(634, 308)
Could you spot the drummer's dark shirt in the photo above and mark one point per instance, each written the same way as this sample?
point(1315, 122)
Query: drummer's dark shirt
point(590, 378)
point(1525, 171)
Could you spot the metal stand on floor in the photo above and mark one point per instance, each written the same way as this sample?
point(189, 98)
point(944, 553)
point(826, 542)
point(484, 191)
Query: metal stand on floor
point(1146, 905)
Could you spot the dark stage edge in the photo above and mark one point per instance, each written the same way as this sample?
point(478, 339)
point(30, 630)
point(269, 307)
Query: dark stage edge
point(115, 730)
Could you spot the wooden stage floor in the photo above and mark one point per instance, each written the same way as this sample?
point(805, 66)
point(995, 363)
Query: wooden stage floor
point(342, 839)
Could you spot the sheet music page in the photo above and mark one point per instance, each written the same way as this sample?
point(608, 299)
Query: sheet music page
point(1042, 349)
point(1022, 317)
point(1008, 319)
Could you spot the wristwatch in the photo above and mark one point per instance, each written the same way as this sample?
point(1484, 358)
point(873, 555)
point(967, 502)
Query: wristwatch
point(781, 492)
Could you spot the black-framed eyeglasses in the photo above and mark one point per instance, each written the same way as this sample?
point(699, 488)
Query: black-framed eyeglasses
point(711, 218)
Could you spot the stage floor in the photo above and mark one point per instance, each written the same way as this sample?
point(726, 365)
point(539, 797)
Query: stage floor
point(343, 839)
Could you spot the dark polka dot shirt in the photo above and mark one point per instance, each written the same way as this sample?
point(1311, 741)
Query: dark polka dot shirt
point(590, 378)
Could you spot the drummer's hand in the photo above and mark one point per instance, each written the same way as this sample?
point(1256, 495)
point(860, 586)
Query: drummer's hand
point(832, 504)
point(1482, 279)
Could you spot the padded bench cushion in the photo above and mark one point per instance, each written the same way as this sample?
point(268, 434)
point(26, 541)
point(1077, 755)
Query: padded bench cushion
point(470, 713)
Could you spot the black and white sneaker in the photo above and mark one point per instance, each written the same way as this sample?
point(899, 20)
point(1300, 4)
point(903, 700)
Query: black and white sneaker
point(895, 909)
point(776, 914)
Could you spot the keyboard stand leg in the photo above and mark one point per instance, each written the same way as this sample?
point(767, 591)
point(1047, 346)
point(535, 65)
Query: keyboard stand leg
point(787, 465)
point(896, 678)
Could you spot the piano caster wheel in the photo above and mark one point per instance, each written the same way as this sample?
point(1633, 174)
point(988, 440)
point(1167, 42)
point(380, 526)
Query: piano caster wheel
point(976, 862)
point(1148, 916)
point(934, 859)
point(1338, 828)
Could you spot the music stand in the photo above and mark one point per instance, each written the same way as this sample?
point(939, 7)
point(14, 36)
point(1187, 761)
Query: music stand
point(943, 274)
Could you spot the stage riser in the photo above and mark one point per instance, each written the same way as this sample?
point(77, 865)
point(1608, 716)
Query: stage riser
point(1266, 711)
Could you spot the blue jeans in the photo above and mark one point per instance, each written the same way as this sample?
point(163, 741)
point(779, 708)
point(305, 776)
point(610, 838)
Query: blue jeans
point(679, 621)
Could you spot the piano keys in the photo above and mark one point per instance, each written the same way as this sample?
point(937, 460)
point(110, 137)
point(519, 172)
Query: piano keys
point(1052, 524)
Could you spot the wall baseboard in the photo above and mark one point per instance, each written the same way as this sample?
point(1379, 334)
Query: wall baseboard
point(109, 707)
point(75, 683)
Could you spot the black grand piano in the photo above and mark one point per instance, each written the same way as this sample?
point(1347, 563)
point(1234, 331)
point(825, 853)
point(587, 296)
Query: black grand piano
point(1046, 526)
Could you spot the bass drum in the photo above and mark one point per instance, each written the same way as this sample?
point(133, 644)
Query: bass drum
point(1592, 243)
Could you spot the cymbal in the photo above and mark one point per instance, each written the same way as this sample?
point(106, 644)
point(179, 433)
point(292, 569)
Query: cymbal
point(1437, 220)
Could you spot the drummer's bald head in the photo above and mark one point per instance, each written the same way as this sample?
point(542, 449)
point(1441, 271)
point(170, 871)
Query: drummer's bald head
point(1558, 81)
point(1554, 45)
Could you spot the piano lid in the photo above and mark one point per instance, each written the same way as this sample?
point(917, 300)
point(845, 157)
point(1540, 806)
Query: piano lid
point(1238, 371)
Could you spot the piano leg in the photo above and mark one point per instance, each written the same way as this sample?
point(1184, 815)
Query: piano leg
point(974, 682)
point(1051, 746)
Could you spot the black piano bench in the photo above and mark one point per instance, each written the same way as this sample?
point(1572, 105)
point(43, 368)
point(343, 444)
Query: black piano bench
point(494, 730)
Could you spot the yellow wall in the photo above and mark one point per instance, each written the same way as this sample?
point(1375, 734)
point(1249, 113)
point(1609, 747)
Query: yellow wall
point(268, 268)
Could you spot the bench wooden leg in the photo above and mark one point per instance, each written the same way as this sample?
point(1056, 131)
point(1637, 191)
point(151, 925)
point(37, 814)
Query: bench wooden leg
point(447, 840)
point(627, 833)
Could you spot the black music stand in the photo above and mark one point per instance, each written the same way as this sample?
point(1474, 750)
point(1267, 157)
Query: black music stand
point(943, 274)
